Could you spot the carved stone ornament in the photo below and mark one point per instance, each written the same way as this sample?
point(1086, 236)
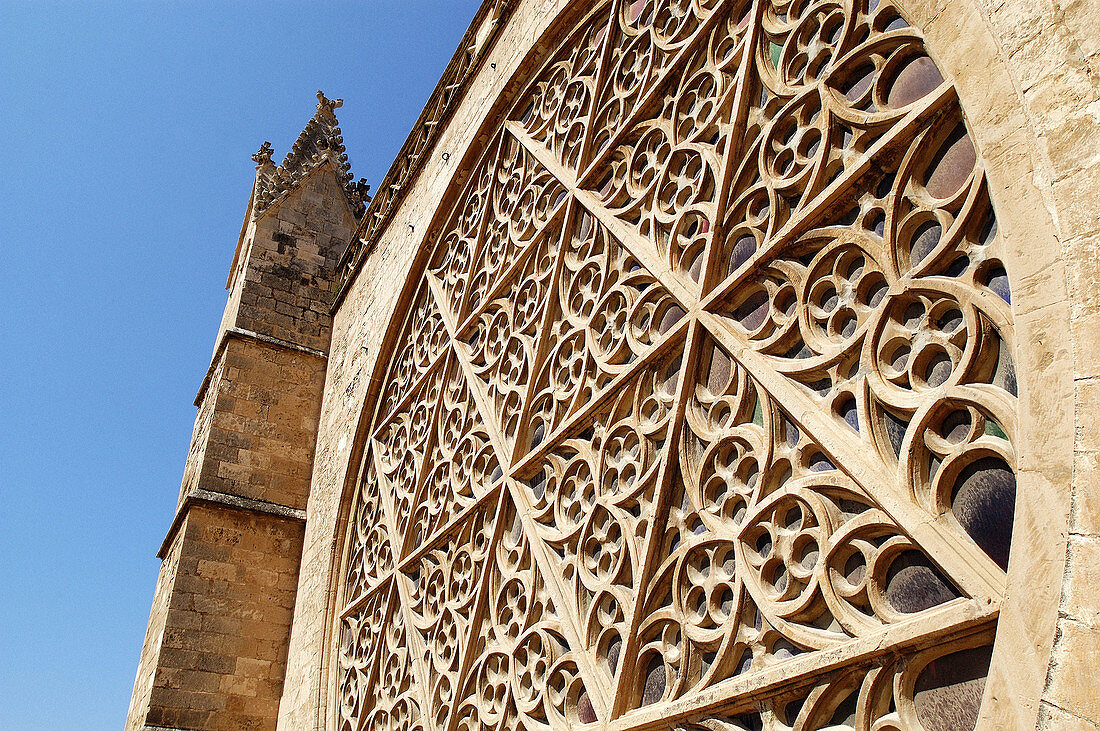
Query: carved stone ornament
point(262, 156)
point(702, 413)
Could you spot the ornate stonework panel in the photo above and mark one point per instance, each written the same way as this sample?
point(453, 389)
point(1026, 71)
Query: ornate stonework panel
point(702, 411)
point(371, 555)
point(606, 312)
point(378, 690)
point(522, 672)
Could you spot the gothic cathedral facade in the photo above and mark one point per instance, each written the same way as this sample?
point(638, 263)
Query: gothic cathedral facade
point(699, 364)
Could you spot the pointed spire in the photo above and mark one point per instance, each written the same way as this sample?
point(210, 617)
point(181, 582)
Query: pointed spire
point(320, 140)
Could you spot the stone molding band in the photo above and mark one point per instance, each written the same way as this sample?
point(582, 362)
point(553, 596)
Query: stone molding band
point(242, 334)
point(236, 502)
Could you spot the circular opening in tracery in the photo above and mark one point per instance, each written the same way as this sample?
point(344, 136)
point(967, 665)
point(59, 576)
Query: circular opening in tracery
point(983, 500)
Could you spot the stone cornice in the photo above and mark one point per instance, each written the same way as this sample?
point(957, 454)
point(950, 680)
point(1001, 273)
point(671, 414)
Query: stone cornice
point(477, 41)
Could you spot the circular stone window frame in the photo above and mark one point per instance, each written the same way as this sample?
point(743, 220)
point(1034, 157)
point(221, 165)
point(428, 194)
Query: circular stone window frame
point(959, 37)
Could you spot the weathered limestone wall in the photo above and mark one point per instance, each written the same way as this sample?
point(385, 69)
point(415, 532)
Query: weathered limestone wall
point(263, 422)
point(154, 637)
point(236, 282)
point(287, 285)
point(223, 652)
point(200, 436)
point(257, 422)
point(259, 404)
point(1025, 72)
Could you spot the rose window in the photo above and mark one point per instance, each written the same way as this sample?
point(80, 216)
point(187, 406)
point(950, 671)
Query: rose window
point(702, 410)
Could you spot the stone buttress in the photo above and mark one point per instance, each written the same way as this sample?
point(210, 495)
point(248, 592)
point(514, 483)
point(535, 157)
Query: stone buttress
point(215, 650)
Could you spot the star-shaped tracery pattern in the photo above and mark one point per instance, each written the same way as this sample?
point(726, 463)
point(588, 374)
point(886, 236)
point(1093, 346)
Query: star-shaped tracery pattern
point(705, 412)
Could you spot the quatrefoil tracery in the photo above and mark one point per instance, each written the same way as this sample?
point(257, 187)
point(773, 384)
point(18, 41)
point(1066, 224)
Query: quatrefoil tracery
point(707, 385)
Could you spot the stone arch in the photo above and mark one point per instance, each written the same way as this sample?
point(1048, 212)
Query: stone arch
point(998, 67)
point(997, 132)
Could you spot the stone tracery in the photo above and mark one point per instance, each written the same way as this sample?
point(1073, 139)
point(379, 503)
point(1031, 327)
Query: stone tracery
point(708, 385)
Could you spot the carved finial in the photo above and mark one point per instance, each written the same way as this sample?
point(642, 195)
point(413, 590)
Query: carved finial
point(263, 155)
point(323, 102)
point(361, 190)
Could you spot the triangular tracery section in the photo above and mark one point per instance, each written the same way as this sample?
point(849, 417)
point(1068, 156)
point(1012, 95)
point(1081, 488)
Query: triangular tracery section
point(646, 36)
point(523, 198)
point(662, 173)
point(892, 313)
point(401, 443)
point(523, 673)
point(769, 552)
point(591, 498)
point(362, 633)
point(499, 340)
point(398, 703)
point(423, 340)
point(606, 312)
point(369, 550)
point(461, 465)
point(826, 90)
point(460, 238)
point(556, 109)
point(443, 583)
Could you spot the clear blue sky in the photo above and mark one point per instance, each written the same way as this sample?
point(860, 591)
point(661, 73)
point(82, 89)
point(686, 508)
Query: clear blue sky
point(127, 130)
